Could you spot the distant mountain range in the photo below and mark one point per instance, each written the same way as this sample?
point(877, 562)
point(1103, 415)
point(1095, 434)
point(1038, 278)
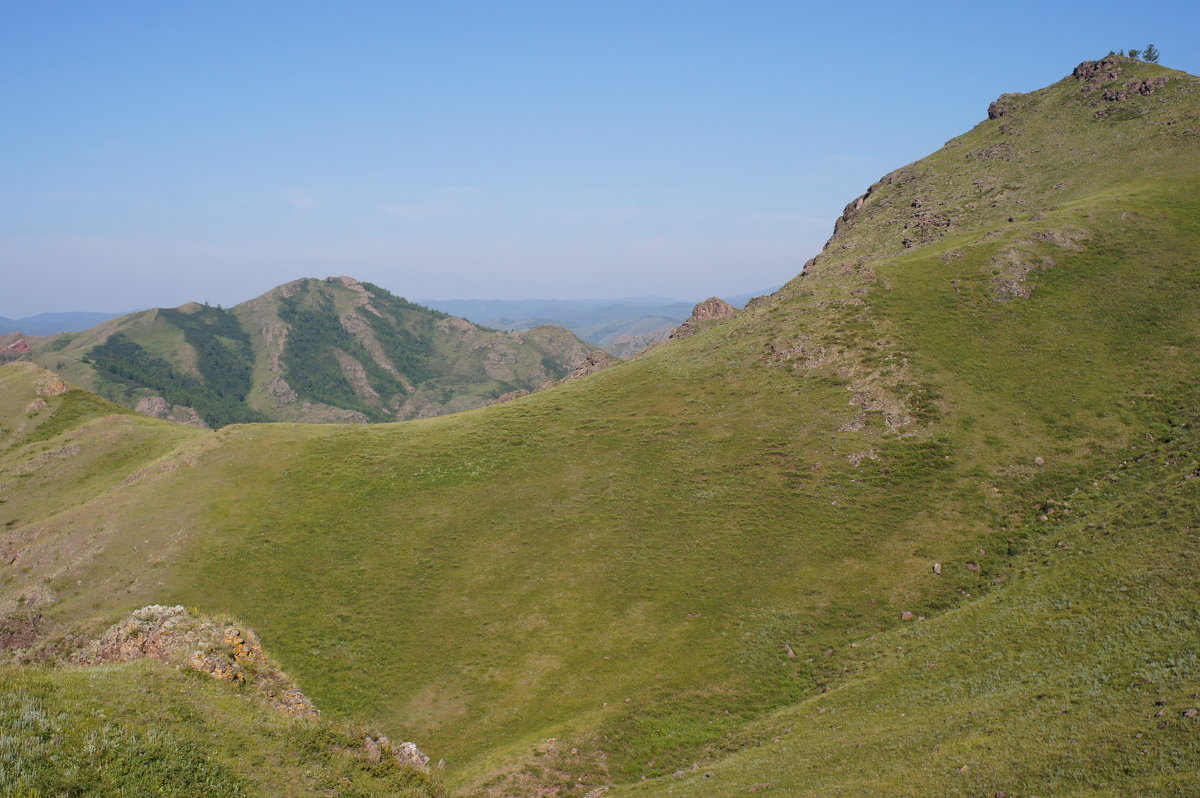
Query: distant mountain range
point(333, 350)
point(51, 323)
point(622, 327)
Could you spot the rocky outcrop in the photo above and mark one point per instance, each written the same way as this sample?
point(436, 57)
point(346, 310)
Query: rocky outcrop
point(627, 346)
point(596, 360)
point(710, 309)
point(1143, 87)
point(1100, 71)
point(508, 397)
point(226, 652)
point(1004, 105)
point(51, 385)
point(160, 408)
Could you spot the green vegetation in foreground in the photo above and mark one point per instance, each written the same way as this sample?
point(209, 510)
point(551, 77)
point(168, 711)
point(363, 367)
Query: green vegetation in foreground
point(669, 565)
point(1076, 678)
point(145, 729)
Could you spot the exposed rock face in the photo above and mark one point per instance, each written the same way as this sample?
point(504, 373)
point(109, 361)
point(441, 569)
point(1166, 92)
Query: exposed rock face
point(51, 385)
point(1098, 71)
point(710, 309)
point(1005, 104)
point(627, 346)
point(593, 362)
point(19, 346)
point(508, 397)
point(160, 408)
point(225, 652)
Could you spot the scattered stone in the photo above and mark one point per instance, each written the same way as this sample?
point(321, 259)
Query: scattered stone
point(373, 751)
point(408, 754)
point(1039, 460)
point(907, 615)
point(787, 649)
point(964, 768)
point(34, 406)
point(1191, 712)
point(763, 785)
point(937, 567)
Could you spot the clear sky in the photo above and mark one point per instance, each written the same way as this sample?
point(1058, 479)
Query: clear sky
point(160, 152)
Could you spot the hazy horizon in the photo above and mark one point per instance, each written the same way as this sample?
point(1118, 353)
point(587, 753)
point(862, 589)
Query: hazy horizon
point(167, 154)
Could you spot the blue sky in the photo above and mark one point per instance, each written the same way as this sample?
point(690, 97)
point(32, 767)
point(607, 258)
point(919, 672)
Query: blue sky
point(157, 153)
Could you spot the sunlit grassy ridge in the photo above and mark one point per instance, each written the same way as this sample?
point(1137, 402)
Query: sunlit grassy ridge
point(678, 557)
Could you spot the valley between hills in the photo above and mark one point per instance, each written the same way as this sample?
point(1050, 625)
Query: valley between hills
point(921, 522)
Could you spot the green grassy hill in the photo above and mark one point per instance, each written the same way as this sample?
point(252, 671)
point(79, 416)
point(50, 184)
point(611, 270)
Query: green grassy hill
point(921, 523)
point(332, 350)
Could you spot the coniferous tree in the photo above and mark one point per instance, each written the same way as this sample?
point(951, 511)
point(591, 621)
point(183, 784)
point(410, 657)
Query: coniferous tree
point(1134, 53)
point(1151, 54)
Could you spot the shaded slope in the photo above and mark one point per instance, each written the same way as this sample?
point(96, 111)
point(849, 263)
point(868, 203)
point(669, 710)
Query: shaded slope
point(649, 564)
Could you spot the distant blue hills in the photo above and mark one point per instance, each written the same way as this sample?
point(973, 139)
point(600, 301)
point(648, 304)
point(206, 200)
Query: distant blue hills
point(51, 323)
point(599, 321)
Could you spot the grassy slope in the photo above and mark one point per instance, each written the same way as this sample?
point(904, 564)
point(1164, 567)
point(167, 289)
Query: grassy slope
point(144, 729)
point(659, 531)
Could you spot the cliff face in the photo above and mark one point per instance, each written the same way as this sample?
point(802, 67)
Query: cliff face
point(333, 350)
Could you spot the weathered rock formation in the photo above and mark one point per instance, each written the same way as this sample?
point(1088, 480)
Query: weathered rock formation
point(596, 360)
point(160, 408)
point(710, 309)
point(224, 651)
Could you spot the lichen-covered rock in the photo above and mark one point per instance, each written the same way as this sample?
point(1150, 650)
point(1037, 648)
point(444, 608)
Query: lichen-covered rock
point(226, 652)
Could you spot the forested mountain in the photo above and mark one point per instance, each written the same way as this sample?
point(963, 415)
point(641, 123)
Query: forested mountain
point(333, 350)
